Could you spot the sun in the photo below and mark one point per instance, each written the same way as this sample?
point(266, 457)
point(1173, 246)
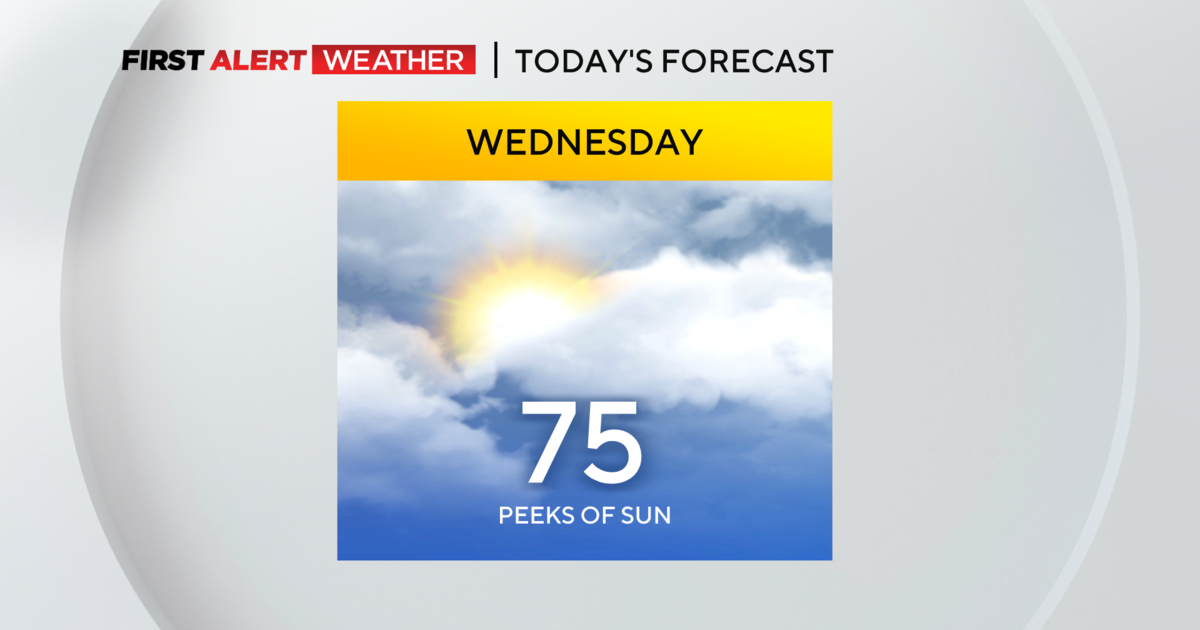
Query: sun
point(512, 300)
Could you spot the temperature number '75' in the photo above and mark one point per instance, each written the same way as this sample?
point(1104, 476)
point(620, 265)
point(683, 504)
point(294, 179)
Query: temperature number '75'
point(596, 437)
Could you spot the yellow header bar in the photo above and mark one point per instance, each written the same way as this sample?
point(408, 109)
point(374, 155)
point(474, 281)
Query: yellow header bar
point(579, 141)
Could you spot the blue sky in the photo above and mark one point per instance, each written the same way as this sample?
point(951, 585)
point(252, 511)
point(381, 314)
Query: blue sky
point(720, 328)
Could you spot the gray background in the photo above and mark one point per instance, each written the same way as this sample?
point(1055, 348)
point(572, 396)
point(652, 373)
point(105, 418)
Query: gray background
point(59, 573)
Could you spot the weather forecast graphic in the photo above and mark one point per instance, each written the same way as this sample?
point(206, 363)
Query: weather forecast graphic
point(585, 370)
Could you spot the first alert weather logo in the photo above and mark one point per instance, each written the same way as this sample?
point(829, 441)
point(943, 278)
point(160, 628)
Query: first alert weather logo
point(341, 59)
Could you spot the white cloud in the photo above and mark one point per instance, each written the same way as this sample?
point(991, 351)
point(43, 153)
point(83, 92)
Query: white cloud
point(401, 435)
point(408, 235)
point(682, 329)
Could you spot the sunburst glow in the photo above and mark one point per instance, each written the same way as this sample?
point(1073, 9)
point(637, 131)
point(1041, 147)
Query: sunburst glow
point(513, 300)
